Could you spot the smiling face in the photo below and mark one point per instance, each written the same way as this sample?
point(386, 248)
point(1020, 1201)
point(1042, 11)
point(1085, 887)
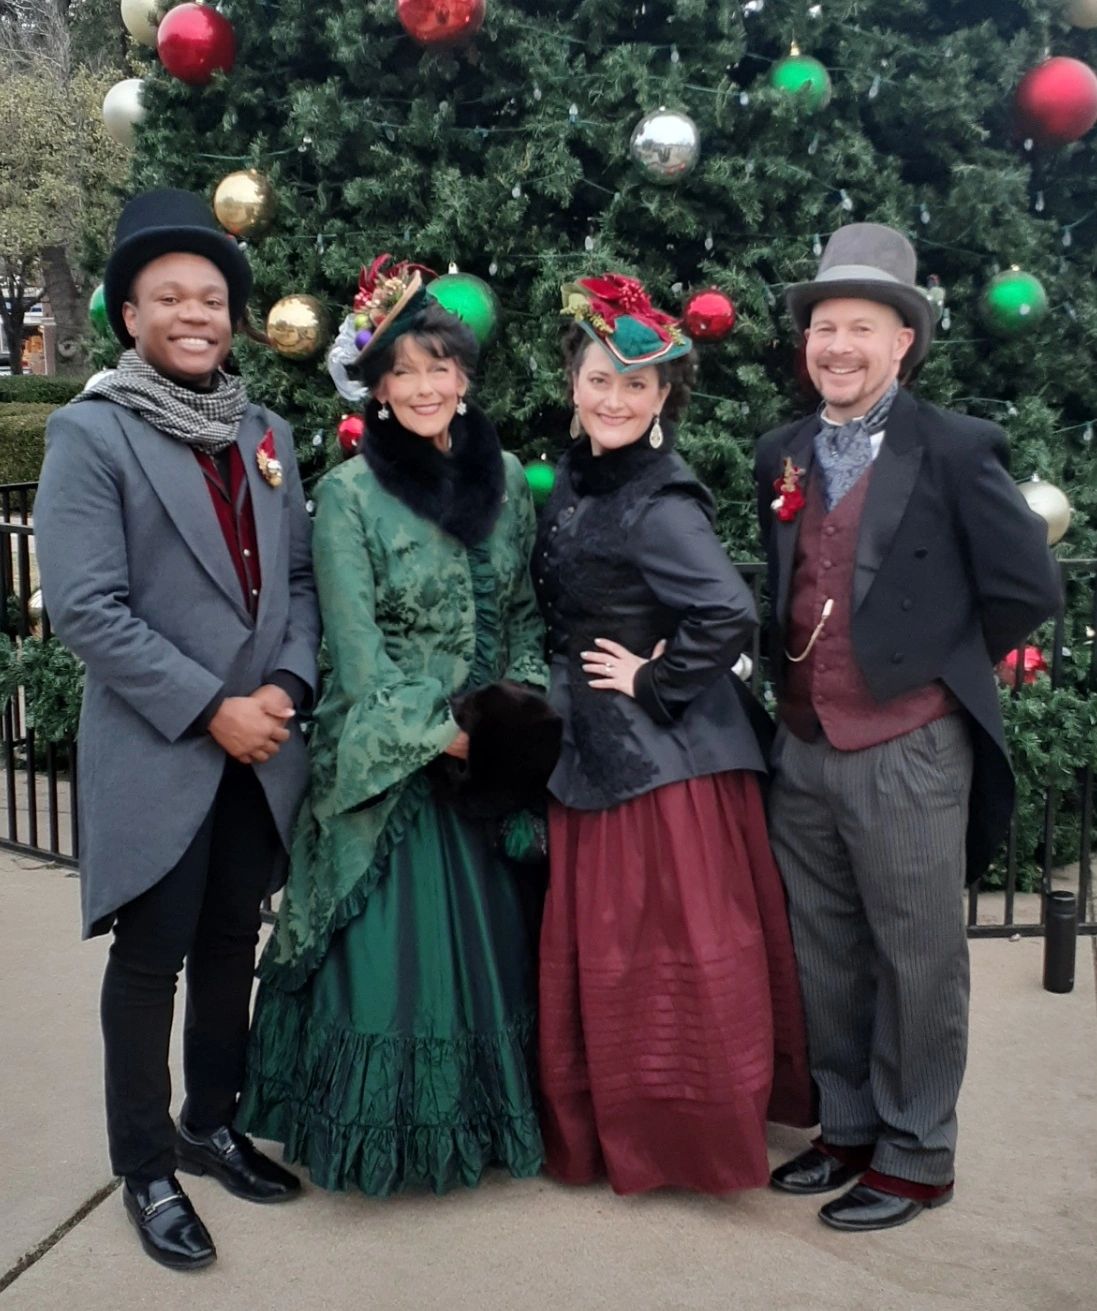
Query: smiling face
point(178, 316)
point(615, 409)
point(855, 349)
point(422, 390)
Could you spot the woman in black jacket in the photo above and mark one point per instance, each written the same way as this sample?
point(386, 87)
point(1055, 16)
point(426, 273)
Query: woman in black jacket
point(670, 1023)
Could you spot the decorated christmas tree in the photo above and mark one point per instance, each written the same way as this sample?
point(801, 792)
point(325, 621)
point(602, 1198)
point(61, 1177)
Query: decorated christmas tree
point(709, 147)
point(699, 144)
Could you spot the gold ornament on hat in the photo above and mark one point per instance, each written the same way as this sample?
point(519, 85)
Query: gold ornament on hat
point(297, 327)
point(244, 203)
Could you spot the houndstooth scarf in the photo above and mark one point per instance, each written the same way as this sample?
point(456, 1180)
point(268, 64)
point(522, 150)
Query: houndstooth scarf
point(205, 420)
point(844, 451)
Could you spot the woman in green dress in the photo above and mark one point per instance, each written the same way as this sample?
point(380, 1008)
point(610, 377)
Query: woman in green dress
point(393, 1038)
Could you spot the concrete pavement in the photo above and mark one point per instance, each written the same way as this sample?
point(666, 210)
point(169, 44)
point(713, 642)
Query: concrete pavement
point(1021, 1234)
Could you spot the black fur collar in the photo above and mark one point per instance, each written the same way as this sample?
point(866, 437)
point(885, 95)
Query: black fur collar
point(596, 475)
point(461, 492)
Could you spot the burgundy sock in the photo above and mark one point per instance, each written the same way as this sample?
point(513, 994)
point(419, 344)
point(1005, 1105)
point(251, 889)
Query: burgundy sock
point(890, 1183)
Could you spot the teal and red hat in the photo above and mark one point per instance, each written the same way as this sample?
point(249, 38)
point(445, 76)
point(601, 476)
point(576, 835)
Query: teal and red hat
point(615, 311)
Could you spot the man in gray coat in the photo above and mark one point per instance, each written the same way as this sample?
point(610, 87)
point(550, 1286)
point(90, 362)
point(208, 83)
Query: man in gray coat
point(174, 549)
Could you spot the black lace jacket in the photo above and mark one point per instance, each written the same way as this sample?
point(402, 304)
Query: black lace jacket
point(626, 550)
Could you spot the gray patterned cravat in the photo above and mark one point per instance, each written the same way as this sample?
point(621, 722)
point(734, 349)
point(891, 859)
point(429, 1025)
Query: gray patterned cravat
point(844, 451)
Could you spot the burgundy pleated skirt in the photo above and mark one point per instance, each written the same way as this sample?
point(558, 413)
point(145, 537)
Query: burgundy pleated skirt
point(671, 1027)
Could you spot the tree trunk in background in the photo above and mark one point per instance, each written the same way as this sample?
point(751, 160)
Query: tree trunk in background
point(68, 304)
point(12, 310)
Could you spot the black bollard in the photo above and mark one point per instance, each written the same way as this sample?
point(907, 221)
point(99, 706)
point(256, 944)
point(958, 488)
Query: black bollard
point(1060, 939)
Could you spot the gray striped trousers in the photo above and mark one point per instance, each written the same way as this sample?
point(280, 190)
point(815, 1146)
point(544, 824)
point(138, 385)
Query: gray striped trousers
point(871, 847)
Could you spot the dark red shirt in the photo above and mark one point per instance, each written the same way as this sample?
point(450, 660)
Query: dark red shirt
point(232, 505)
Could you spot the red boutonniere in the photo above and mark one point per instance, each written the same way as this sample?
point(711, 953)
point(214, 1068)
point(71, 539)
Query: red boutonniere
point(266, 456)
point(790, 495)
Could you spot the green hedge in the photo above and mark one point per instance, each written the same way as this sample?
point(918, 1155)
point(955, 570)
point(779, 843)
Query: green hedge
point(32, 390)
point(22, 441)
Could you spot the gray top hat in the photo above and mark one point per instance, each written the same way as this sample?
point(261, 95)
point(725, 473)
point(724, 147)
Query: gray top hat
point(868, 261)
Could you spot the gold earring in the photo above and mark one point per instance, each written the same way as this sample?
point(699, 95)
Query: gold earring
point(576, 428)
point(655, 437)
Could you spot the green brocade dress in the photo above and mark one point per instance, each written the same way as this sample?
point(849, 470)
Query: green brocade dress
point(393, 1044)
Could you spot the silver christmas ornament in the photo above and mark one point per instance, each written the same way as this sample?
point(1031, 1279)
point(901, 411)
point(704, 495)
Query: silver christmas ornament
point(666, 146)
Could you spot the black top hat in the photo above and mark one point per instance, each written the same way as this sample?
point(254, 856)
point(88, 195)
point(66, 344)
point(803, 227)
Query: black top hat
point(169, 222)
point(868, 261)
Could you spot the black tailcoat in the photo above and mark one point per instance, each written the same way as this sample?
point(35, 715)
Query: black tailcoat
point(953, 571)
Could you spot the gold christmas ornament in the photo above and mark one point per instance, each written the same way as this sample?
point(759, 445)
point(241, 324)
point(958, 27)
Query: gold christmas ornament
point(297, 327)
point(142, 17)
point(1046, 500)
point(244, 203)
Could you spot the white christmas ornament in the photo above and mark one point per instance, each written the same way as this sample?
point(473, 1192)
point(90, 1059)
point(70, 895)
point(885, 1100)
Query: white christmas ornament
point(122, 110)
point(142, 18)
point(1082, 13)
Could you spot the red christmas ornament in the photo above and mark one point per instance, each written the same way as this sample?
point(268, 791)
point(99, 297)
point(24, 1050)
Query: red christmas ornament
point(709, 315)
point(440, 22)
point(194, 41)
point(1034, 663)
point(350, 432)
point(1056, 101)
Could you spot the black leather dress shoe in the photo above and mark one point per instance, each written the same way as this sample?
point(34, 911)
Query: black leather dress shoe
point(167, 1225)
point(863, 1209)
point(233, 1161)
point(813, 1171)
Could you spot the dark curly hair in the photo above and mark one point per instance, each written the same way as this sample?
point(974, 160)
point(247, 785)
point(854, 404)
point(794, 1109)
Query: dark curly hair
point(438, 332)
point(681, 373)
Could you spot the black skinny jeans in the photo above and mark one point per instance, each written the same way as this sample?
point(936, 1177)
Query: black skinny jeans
point(204, 911)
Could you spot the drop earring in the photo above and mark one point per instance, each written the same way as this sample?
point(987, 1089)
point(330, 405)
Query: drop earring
point(384, 412)
point(462, 408)
point(655, 437)
point(575, 428)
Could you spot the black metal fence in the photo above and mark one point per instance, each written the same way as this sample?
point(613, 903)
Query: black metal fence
point(38, 814)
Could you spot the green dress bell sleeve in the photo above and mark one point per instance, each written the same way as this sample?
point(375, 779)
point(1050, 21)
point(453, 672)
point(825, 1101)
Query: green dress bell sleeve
point(389, 719)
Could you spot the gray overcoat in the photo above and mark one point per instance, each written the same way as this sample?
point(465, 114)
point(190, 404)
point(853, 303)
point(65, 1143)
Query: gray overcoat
point(139, 583)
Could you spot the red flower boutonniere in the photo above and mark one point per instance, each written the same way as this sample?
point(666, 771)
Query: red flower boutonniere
point(790, 495)
point(266, 456)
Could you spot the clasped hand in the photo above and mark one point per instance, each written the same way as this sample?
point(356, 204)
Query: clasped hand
point(252, 728)
point(614, 667)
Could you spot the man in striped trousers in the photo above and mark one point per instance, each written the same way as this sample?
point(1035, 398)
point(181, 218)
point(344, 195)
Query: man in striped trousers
point(903, 563)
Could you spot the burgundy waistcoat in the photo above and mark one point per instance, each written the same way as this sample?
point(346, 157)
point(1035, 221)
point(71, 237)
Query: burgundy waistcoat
point(827, 689)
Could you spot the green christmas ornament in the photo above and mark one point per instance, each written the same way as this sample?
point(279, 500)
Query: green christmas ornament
point(1013, 301)
point(97, 311)
point(541, 477)
point(803, 77)
point(471, 299)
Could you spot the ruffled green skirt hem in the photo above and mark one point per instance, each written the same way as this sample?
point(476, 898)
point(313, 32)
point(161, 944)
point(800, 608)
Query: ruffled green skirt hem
point(383, 1113)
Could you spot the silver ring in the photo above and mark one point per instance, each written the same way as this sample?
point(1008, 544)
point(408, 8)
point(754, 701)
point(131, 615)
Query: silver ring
point(609, 668)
